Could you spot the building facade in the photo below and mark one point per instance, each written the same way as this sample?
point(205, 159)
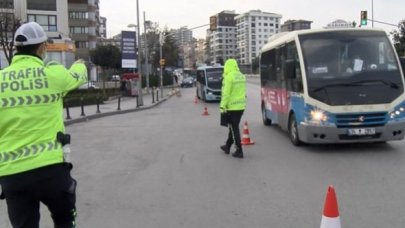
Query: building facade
point(83, 18)
point(293, 25)
point(189, 51)
point(102, 27)
point(53, 17)
point(253, 31)
point(200, 52)
point(222, 37)
point(182, 36)
point(184, 40)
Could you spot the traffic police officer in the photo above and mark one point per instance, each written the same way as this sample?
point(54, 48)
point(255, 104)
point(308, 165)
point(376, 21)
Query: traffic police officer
point(233, 103)
point(32, 166)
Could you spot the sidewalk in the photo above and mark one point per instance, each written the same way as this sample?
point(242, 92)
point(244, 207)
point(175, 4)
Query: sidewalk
point(115, 106)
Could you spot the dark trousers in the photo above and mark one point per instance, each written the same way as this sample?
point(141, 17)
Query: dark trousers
point(51, 185)
point(234, 118)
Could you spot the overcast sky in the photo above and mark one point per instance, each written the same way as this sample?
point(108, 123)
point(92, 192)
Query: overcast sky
point(192, 13)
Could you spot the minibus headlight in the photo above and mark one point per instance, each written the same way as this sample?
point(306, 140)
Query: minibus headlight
point(399, 112)
point(318, 115)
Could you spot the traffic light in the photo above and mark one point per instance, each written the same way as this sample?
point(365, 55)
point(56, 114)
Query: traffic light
point(363, 18)
point(213, 23)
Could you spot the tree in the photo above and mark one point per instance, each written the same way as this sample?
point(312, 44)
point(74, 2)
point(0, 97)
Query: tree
point(152, 41)
point(8, 26)
point(107, 57)
point(170, 51)
point(399, 38)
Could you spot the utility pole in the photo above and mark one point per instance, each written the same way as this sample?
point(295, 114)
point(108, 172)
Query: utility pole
point(161, 41)
point(372, 13)
point(138, 62)
point(146, 53)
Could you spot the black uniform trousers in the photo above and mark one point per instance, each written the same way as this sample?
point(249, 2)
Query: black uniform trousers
point(52, 185)
point(234, 118)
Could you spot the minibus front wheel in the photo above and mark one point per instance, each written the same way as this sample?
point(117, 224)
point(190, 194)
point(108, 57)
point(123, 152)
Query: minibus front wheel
point(293, 130)
point(266, 121)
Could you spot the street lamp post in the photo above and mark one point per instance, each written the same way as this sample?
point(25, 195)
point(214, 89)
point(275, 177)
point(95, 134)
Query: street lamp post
point(138, 62)
point(372, 13)
point(161, 41)
point(136, 47)
point(146, 52)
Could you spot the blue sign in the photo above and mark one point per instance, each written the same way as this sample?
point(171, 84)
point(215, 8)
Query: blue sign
point(128, 48)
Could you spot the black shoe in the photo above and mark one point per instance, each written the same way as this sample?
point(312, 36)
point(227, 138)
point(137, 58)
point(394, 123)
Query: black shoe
point(226, 149)
point(238, 154)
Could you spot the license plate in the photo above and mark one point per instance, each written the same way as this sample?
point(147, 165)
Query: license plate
point(361, 131)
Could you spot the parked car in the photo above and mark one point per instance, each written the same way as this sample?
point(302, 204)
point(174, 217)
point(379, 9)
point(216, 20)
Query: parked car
point(88, 85)
point(187, 82)
point(115, 77)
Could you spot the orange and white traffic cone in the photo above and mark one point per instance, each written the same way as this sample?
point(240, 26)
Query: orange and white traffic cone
point(245, 135)
point(330, 216)
point(205, 113)
point(195, 100)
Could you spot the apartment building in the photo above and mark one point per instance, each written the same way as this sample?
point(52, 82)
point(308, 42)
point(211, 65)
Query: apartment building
point(200, 52)
point(189, 55)
point(182, 36)
point(83, 18)
point(253, 31)
point(52, 16)
point(222, 38)
point(293, 25)
point(102, 27)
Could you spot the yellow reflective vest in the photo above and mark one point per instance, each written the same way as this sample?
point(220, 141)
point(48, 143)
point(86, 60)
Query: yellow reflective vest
point(233, 92)
point(31, 112)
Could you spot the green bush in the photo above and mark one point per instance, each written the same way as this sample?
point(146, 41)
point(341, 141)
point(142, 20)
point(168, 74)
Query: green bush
point(154, 80)
point(89, 96)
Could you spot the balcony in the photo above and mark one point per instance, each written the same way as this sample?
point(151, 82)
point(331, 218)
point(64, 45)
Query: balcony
point(93, 5)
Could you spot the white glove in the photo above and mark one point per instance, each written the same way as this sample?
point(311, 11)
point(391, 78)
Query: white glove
point(80, 61)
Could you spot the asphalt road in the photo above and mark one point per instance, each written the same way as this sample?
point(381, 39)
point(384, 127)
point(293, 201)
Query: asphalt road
point(163, 168)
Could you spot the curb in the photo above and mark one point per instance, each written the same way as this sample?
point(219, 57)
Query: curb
point(100, 115)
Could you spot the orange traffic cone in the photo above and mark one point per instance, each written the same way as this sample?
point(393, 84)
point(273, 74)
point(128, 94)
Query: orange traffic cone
point(205, 113)
point(245, 135)
point(330, 216)
point(195, 100)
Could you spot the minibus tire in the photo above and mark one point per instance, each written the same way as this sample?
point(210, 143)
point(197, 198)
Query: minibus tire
point(293, 131)
point(266, 121)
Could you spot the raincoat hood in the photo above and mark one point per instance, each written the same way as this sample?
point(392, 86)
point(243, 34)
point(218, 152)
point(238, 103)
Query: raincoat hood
point(230, 66)
point(233, 92)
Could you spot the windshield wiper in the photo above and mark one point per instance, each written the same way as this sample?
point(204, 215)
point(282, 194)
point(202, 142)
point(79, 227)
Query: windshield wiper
point(388, 83)
point(357, 83)
point(334, 85)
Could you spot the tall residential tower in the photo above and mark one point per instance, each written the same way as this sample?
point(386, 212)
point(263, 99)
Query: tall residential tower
point(222, 38)
point(253, 30)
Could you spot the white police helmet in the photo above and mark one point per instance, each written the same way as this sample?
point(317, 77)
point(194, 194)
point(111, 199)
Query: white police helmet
point(29, 34)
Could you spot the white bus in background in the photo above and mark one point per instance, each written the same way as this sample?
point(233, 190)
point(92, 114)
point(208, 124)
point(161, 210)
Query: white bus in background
point(209, 83)
point(333, 86)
